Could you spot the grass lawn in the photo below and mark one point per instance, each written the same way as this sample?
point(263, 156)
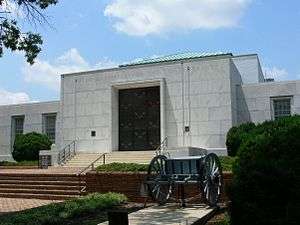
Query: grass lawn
point(226, 162)
point(87, 210)
point(22, 163)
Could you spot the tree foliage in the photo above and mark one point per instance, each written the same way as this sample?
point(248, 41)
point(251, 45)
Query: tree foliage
point(27, 146)
point(266, 183)
point(11, 35)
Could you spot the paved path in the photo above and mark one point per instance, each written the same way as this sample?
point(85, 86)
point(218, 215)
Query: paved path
point(168, 215)
point(19, 204)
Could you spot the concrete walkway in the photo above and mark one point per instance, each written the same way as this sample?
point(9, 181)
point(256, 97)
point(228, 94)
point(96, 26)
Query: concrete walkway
point(168, 215)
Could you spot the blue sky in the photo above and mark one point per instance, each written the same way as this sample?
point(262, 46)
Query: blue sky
point(104, 33)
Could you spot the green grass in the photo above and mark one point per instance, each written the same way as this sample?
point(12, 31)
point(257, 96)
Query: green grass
point(70, 212)
point(122, 167)
point(22, 163)
point(226, 161)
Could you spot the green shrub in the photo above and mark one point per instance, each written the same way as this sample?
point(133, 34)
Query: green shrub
point(61, 213)
point(266, 183)
point(227, 162)
point(122, 167)
point(27, 146)
point(235, 137)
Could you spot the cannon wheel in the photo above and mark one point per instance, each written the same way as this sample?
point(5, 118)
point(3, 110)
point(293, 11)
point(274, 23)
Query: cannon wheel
point(159, 186)
point(212, 182)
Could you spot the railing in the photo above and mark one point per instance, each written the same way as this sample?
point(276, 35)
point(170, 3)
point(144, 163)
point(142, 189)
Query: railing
point(162, 148)
point(92, 166)
point(67, 153)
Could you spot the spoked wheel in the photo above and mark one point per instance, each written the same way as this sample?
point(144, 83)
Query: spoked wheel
point(159, 186)
point(212, 183)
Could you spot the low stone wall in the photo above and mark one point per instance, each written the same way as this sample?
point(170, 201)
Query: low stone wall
point(132, 184)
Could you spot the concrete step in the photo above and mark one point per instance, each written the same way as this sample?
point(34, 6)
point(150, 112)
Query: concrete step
point(37, 196)
point(85, 159)
point(37, 178)
point(40, 191)
point(43, 182)
point(40, 187)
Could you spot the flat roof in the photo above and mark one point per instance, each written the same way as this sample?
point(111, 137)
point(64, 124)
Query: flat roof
point(175, 57)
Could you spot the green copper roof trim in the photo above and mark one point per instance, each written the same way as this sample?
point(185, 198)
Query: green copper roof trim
point(176, 57)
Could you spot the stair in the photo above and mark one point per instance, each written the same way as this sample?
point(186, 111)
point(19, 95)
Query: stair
point(85, 159)
point(41, 186)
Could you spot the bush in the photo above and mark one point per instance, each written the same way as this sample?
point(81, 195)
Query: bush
point(235, 137)
point(27, 146)
point(61, 213)
point(227, 162)
point(122, 167)
point(266, 183)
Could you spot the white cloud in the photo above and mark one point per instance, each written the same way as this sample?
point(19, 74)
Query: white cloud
point(7, 98)
point(48, 73)
point(143, 17)
point(276, 73)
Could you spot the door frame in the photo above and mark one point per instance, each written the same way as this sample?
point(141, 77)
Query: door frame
point(114, 115)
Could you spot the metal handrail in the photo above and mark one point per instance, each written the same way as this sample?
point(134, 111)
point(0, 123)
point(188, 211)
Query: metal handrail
point(92, 165)
point(67, 153)
point(161, 149)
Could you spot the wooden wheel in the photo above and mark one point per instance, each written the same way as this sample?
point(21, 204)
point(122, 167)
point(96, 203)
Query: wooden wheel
point(158, 182)
point(212, 182)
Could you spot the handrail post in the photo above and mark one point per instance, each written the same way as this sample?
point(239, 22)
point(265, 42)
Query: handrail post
point(104, 159)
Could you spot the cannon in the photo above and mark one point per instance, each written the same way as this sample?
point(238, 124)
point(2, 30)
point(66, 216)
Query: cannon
point(203, 171)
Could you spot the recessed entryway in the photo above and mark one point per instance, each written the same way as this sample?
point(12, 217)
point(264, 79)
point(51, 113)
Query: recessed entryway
point(139, 118)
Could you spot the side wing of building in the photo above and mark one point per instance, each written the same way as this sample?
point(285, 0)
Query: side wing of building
point(23, 118)
point(271, 100)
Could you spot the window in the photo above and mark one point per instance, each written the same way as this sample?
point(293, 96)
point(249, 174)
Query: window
point(281, 107)
point(18, 125)
point(49, 121)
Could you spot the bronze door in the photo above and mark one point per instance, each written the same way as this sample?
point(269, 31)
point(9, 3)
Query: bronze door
point(139, 119)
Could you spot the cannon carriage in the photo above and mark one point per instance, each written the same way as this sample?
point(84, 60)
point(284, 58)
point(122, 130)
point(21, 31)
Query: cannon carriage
point(165, 174)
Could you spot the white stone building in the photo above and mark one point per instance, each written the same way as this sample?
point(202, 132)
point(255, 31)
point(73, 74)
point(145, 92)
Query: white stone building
point(190, 99)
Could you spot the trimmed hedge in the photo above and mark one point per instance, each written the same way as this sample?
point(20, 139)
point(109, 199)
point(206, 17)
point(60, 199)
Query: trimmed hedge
point(227, 163)
point(122, 167)
point(27, 146)
point(235, 137)
point(266, 182)
point(62, 213)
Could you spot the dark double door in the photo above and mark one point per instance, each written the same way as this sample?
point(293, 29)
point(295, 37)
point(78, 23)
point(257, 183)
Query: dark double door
point(139, 119)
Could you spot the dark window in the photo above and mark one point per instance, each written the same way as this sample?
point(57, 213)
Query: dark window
point(49, 125)
point(281, 107)
point(18, 124)
point(17, 127)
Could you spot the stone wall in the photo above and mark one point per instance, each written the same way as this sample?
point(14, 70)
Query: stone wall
point(131, 184)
